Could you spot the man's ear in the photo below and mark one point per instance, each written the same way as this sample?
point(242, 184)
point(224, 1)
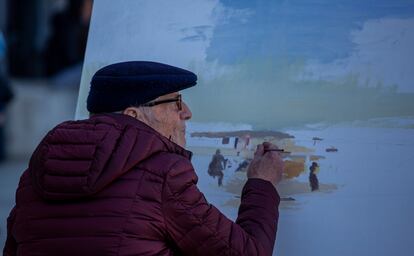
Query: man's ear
point(137, 114)
point(133, 112)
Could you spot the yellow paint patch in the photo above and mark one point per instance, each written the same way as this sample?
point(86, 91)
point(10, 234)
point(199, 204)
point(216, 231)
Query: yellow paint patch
point(294, 168)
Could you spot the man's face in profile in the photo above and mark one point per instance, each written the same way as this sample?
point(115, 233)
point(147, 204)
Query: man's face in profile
point(169, 118)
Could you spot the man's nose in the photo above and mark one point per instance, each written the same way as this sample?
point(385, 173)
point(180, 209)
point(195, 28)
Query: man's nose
point(185, 114)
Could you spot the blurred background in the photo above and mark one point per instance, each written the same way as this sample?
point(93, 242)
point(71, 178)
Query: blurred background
point(42, 45)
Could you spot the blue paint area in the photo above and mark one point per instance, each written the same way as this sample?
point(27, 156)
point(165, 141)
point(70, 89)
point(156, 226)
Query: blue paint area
point(313, 29)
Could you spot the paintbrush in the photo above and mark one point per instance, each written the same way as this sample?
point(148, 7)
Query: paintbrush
point(281, 150)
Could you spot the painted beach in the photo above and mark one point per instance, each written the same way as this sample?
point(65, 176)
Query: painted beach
point(364, 204)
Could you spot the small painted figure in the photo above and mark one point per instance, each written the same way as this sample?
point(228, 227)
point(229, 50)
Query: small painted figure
point(216, 166)
point(242, 166)
point(313, 179)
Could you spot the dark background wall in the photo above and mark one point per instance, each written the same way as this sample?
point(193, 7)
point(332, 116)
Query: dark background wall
point(29, 25)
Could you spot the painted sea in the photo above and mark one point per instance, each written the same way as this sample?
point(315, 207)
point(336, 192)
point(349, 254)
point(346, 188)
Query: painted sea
point(365, 203)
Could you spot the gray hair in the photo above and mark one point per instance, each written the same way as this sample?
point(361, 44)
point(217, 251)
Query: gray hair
point(147, 112)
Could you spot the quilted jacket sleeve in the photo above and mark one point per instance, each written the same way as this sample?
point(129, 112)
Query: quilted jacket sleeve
point(10, 248)
point(198, 228)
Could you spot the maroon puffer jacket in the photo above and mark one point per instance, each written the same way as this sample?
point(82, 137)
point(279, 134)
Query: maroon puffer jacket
point(111, 185)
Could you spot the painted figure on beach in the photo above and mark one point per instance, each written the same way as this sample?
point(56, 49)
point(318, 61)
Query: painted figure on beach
point(313, 179)
point(216, 166)
point(243, 166)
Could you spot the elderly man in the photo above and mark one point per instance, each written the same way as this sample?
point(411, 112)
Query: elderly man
point(121, 182)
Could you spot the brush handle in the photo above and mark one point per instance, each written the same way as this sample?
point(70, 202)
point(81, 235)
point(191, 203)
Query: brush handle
point(277, 150)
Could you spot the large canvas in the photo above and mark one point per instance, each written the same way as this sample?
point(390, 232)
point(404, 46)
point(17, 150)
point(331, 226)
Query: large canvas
point(329, 81)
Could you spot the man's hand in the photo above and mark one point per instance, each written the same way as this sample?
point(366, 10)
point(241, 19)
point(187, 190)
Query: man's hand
point(266, 165)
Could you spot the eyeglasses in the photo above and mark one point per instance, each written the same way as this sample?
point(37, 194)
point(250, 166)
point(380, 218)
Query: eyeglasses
point(157, 102)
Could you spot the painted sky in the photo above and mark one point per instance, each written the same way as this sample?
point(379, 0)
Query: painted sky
point(372, 38)
point(314, 29)
point(253, 51)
